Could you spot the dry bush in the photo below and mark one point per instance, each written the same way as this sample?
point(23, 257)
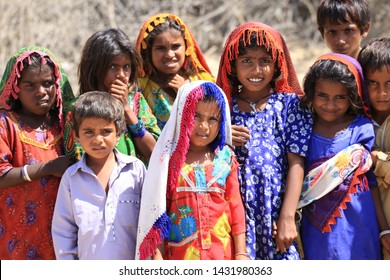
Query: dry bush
point(64, 26)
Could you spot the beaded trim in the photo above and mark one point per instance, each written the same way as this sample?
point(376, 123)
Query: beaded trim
point(30, 141)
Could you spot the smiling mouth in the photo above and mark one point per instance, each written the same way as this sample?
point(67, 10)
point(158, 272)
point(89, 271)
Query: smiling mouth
point(256, 80)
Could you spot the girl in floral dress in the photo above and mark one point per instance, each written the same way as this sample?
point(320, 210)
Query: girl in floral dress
point(270, 134)
point(31, 155)
point(191, 196)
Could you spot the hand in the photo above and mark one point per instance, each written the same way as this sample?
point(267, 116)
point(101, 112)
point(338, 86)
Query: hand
point(58, 166)
point(120, 90)
point(242, 257)
point(274, 229)
point(286, 233)
point(175, 82)
point(385, 240)
point(240, 135)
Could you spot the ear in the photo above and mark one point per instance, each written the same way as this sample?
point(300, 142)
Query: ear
point(366, 29)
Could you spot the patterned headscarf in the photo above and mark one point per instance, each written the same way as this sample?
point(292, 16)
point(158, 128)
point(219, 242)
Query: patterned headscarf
point(9, 82)
point(193, 52)
point(355, 68)
point(168, 157)
point(274, 43)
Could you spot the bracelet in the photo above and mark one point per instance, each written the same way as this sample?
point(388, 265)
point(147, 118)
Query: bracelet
point(137, 130)
point(25, 174)
point(387, 231)
point(242, 254)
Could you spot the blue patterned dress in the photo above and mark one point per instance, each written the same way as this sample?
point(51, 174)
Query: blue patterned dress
point(280, 128)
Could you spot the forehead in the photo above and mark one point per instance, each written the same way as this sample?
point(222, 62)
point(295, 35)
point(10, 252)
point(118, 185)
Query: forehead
point(122, 58)
point(208, 107)
point(256, 52)
point(383, 72)
point(34, 71)
point(95, 123)
point(171, 35)
point(339, 24)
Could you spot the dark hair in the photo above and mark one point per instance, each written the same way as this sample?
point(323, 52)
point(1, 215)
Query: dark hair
point(146, 53)
point(243, 47)
point(336, 71)
point(97, 54)
point(98, 104)
point(34, 61)
point(375, 55)
point(343, 11)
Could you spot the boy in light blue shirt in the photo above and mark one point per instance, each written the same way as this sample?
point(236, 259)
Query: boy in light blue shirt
point(97, 207)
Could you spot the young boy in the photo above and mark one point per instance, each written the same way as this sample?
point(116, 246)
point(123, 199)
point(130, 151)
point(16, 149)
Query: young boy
point(343, 24)
point(97, 208)
point(375, 61)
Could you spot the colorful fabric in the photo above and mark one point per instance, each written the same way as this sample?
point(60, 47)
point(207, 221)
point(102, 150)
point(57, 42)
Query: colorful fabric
point(330, 185)
point(273, 41)
point(193, 52)
point(168, 158)
point(205, 210)
point(281, 128)
point(161, 102)
point(126, 143)
point(354, 231)
point(356, 69)
point(26, 210)
point(9, 80)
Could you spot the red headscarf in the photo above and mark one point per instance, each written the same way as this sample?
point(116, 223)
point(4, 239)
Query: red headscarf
point(274, 43)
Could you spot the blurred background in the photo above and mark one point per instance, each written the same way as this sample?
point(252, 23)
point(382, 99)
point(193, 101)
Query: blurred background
point(64, 26)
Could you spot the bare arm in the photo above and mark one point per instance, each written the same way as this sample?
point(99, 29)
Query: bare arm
point(240, 247)
point(55, 167)
point(380, 215)
point(286, 229)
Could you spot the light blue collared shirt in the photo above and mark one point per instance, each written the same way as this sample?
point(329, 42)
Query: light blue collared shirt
point(90, 224)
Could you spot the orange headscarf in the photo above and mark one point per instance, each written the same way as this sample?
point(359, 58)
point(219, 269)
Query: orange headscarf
point(193, 51)
point(274, 43)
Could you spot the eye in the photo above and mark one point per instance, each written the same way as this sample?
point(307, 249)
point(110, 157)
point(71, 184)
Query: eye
point(107, 132)
point(176, 46)
point(371, 83)
point(127, 67)
point(48, 84)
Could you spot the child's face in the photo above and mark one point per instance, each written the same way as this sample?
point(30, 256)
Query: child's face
point(330, 100)
point(378, 85)
point(168, 52)
point(37, 90)
point(206, 124)
point(118, 72)
point(255, 70)
point(98, 137)
point(344, 38)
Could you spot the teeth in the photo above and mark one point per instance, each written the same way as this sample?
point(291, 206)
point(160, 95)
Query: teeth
point(255, 80)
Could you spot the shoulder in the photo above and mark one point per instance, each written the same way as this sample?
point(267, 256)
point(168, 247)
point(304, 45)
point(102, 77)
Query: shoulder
point(124, 159)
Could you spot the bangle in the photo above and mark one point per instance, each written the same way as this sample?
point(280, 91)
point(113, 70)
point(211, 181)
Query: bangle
point(25, 174)
point(241, 254)
point(387, 231)
point(137, 130)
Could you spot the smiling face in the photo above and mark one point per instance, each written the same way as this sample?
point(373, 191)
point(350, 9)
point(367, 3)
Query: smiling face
point(330, 101)
point(344, 38)
point(168, 52)
point(255, 70)
point(37, 90)
point(206, 125)
point(378, 85)
point(98, 138)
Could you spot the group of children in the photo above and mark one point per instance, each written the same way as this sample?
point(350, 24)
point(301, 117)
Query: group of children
point(156, 158)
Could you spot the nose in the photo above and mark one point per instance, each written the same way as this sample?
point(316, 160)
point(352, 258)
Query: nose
point(340, 39)
point(98, 139)
point(383, 90)
point(41, 90)
point(170, 53)
point(120, 73)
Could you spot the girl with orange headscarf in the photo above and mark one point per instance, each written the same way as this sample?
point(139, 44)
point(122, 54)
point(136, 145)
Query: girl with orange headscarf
point(171, 57)
point(271, 134)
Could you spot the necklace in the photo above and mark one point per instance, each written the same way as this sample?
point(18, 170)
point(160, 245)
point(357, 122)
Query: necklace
point(253, 104)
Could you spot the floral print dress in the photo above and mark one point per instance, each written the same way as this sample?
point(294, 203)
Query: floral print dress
point(280, 128)
point(205, 210)
point(26, 210)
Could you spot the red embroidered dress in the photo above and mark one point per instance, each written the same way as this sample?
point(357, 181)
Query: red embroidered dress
point(26, 210)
